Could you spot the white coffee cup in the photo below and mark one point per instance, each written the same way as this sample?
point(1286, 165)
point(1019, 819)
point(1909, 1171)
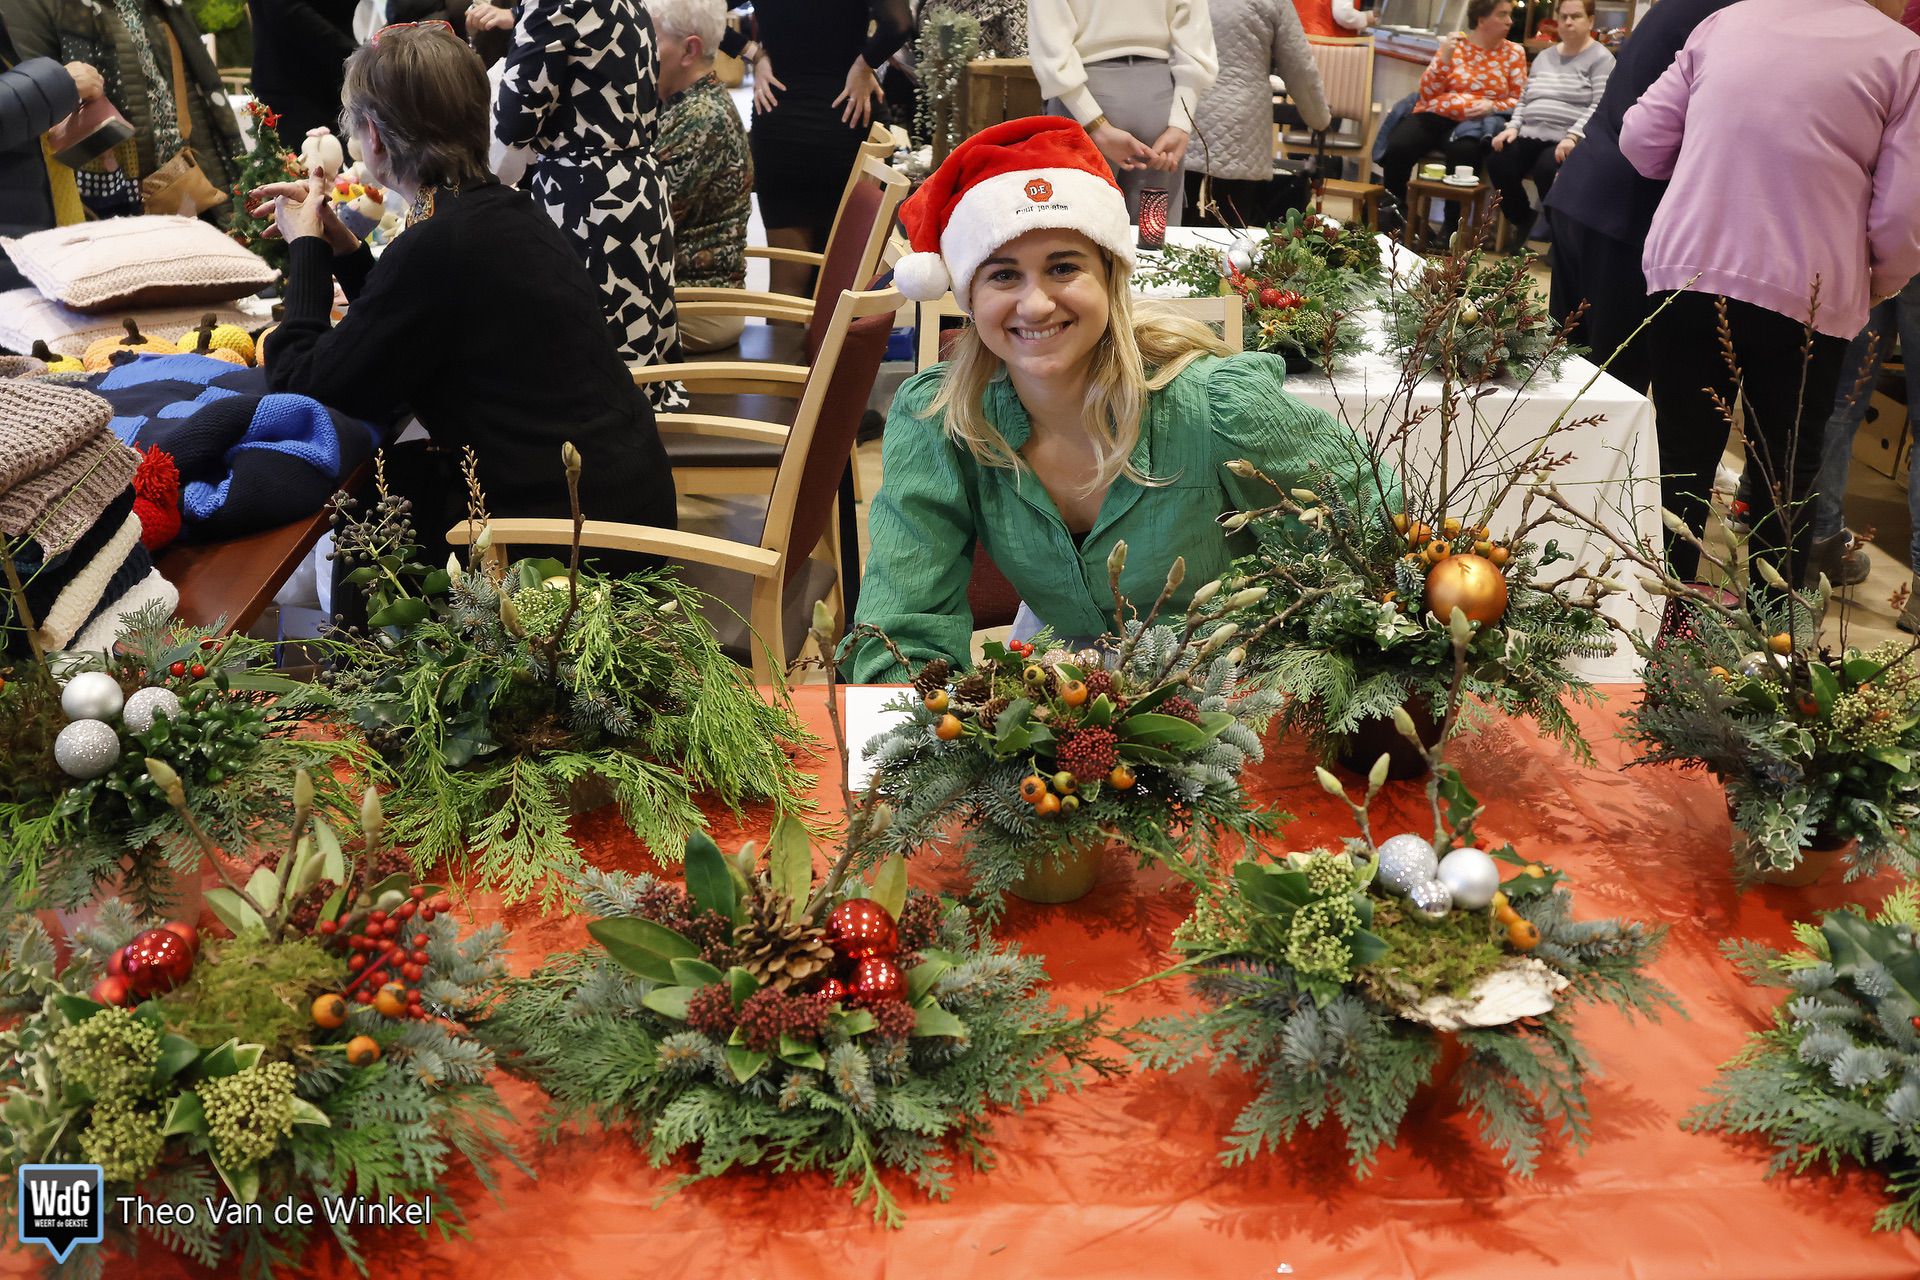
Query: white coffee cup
point(1463, 173)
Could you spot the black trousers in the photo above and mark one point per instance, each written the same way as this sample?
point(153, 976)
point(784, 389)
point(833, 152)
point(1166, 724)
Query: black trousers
point(1413, 138)
point(1511, 166)
point(1605, 274)
point(1241, 202)
point(1780, 390)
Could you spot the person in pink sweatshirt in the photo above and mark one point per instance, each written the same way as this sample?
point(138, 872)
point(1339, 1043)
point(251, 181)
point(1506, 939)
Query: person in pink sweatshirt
point(1791, 132)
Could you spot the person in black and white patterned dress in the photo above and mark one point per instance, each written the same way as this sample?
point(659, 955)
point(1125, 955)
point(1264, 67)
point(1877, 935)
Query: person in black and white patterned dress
point(580, 89)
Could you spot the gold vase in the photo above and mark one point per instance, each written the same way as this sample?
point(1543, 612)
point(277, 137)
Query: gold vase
point(1062, 874)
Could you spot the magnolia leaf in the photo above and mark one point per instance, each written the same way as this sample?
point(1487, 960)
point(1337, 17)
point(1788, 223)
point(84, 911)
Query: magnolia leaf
point(890, 885)
point(642, 947)
point(745, 1063)
point(184, 1115)
point(931, 1020)
point(232, 910)
point(1826, 686)
point(263, 886)
point(1154, 730)
point(333, 862)
point(305, 1112)
point(1139, 751)
point(856, 1022)
point(790, 861)
point(801, 1053)
point(177, 1053)
point(708, 881)
point(921, 977)
point(244, 1183)
point(670, 1002)
point(742, 983)
point(695, 972)
point(77, 1008)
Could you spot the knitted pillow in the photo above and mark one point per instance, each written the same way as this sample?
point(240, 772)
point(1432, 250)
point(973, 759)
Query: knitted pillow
point(26, 317)
point(144, 261)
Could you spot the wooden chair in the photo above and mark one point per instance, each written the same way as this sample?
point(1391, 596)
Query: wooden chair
point(764, 590)
point(1346, 75)
point(698, 301)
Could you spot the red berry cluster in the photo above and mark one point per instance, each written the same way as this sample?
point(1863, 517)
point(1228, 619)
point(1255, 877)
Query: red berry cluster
point(1090, 753)
point(1180, 709)
point(768, 1014)
point(919, 927)
point(1022, 647)
point(668, 905)
point(1099, 682)
point(379, 954)
point(893, 1021)
point(710, 1011)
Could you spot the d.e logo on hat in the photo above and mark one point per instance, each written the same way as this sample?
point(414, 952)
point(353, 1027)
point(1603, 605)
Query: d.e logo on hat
point(1039, 189)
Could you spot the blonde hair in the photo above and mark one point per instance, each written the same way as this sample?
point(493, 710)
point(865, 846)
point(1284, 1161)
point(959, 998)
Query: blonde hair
point(1142, 351)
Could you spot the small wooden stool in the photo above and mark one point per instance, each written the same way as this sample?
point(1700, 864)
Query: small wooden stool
point(1362, 199)
point(1476, 208)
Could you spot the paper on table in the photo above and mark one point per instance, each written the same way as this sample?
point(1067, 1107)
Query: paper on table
point(866, 719)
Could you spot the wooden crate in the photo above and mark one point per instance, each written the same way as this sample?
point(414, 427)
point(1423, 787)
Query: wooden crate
point(999, 89)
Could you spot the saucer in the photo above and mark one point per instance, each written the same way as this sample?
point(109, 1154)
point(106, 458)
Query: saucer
point(1461, 182)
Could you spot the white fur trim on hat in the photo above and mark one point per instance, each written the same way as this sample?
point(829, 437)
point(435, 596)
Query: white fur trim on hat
point(1009, 205)
point(921, 276)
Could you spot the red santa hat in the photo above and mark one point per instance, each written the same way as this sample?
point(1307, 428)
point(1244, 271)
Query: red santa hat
point(1042, 172)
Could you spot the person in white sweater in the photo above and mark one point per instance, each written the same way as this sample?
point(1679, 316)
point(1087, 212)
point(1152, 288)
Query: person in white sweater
point(1131, 72)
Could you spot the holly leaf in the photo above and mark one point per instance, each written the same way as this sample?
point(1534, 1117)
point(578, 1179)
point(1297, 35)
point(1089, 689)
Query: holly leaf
point(1012, 718)
point(405, 612)
point(77, 1008)
point(641, 946)
point(708, 881)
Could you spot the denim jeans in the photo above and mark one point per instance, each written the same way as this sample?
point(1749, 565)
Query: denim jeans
point(1903, 309)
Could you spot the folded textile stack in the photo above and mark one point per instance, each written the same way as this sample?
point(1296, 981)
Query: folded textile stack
point(68, 521)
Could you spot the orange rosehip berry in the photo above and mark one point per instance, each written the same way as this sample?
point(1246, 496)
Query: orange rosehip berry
point(329, 1010)
point(1120, 778)
point(1781, 644)
point(392, 1001)
point(1073, 693)
point(949, 728)
point(1499, 555)
point(937, 700)
point(1048, 805)
point(363, 1051)
point(1523, 935)
point(1032, 787)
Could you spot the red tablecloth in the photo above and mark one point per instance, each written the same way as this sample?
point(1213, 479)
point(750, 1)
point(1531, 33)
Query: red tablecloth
point(1124, 1180)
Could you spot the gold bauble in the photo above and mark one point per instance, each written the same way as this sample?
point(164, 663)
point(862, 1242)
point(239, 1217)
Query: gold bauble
point(1473, 584)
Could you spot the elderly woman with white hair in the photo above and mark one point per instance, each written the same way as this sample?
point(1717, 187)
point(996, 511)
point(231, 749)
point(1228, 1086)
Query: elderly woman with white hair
point(702, 150)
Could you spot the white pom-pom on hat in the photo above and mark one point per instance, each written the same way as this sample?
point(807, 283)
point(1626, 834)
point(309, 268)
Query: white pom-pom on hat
point(922, 276)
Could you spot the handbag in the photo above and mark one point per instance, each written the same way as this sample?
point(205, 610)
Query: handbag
point(89, 133)
point(179, 186)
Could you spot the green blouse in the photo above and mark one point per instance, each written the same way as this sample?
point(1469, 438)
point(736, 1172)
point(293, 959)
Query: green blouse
point(937, 503)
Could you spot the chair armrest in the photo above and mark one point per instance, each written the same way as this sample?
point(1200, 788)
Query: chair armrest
point(644, 539)
point(713, 426)
point(807, 256)
point(771, 313)
point(748, 301)
point(696, 371)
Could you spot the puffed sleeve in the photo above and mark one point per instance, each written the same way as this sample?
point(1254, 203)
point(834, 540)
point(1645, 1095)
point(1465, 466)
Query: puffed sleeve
point(922, 526)
point(1298, 446)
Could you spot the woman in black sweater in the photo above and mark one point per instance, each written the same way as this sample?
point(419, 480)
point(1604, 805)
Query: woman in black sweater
point(478, 319)
point(811, 115)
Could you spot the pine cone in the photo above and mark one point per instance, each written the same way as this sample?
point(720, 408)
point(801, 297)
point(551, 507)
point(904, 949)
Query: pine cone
point(932, 677)
point(780, 953)
point(991, 712)
point(975, 688)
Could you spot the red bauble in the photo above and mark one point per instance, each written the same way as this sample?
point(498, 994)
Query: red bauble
point(834, 989)
point(878, 980)
point(186, 933)
point(861, 927)
point(109, 990)
point(117, 963)
point(157, 961)
point(1272, 297)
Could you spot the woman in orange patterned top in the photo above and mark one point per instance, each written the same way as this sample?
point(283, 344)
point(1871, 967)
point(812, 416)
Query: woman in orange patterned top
point(1472, 76)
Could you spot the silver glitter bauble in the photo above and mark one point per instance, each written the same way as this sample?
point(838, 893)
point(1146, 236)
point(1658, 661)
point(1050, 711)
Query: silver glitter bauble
point(91, 695)
point(1406, 861)
point(1470, 876)
point(1432, 899)
point(1239, 259)
point(1755, 664)
point(147, 703)
point(86, 748)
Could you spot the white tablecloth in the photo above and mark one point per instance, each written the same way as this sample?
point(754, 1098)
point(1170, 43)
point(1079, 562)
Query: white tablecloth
point(1614, 465)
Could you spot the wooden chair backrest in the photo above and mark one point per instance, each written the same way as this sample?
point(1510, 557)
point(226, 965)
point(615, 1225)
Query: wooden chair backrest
point(852, 257)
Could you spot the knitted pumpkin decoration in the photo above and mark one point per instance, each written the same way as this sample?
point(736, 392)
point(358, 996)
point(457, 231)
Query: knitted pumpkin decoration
point(202, 342)
point(55, 362)
point(219, 338)
point(101, 352)
point(156, 498)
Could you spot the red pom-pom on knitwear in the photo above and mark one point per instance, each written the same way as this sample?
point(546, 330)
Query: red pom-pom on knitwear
point(156, 498)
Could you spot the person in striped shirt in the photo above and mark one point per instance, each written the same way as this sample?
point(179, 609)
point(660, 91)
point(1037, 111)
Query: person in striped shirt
point(1562, 91)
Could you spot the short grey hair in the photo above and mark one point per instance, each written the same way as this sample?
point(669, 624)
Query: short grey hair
point(684, 18)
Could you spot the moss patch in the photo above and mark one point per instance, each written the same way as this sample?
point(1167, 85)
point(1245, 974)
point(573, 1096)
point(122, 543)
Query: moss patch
point(1447, 956)
point(248, 989)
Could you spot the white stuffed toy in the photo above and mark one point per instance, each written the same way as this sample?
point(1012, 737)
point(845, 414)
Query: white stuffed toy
point(321, 151)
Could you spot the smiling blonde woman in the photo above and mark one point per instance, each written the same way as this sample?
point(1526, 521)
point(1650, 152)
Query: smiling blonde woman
point(1065, 421)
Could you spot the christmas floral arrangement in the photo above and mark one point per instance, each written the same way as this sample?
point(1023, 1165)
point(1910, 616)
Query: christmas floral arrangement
point(1362, 591)
point(1297, 303)
point(1836, 1078)
point(319, 1053)
point(78, 806)
point(1471, 316)
point(1340, 979)
point(1042, 755)
point(757, 1017)
point(503, 696)
point(1816, 747)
